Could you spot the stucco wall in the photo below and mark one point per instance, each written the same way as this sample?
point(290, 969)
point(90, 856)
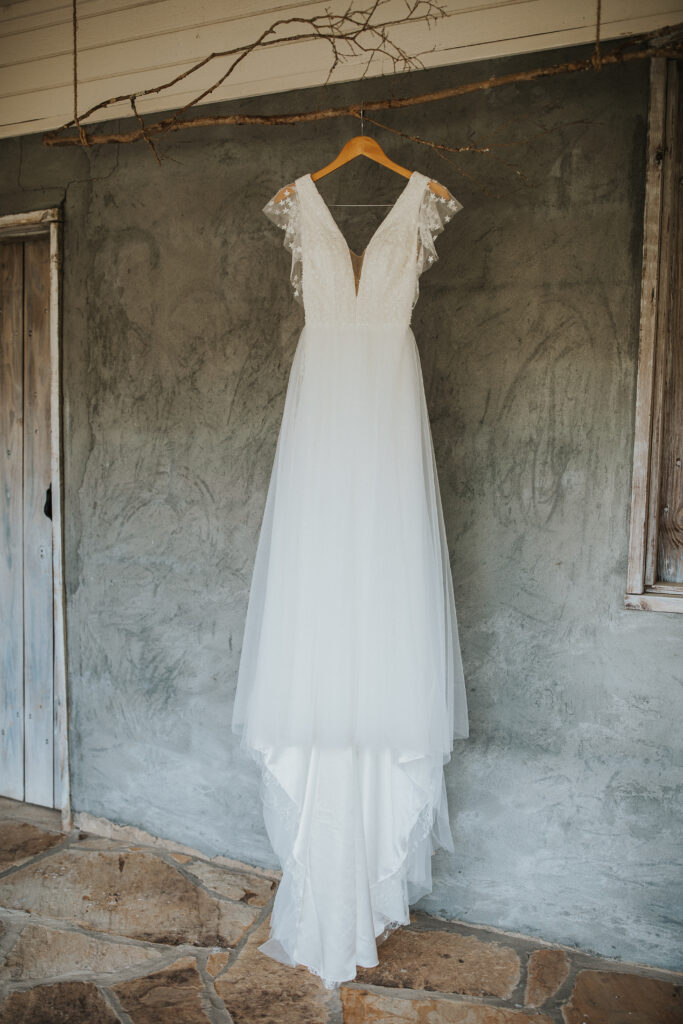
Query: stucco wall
point(179, 331)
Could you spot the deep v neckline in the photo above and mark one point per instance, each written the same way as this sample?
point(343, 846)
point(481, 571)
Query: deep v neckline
point(338, 231)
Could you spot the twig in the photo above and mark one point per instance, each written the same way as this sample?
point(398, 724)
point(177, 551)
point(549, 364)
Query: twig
point(144, 130)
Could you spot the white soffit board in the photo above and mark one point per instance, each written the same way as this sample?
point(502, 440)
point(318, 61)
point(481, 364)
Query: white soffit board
point(128, 45)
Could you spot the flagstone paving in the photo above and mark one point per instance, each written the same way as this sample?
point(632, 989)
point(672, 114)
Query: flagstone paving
point(97, 931)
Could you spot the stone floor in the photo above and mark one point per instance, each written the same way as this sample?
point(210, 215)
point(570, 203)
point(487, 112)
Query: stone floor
point(105, 930)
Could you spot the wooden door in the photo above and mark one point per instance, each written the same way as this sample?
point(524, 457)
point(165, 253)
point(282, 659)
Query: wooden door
point(27, 712)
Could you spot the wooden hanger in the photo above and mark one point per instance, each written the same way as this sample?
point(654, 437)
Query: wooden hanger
point(363, 145)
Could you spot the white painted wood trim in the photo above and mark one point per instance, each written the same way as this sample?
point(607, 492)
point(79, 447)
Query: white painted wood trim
point(33, 222)
point(666, 588)
point(662, 341)
point(643, 591)
point(652, 601)
point(61, 734)
point(648, 329)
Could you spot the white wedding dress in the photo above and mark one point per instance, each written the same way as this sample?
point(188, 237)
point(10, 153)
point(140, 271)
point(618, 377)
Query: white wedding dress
point(350, 688)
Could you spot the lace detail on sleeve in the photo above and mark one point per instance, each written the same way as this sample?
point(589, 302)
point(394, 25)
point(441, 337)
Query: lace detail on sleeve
point(435, 212)
point(286, 214)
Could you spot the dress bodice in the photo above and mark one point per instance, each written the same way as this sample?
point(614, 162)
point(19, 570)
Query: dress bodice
point(381, 285)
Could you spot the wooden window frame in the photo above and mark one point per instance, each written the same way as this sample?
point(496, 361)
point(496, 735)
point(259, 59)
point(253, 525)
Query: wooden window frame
point(26, 225)
point(658, 321)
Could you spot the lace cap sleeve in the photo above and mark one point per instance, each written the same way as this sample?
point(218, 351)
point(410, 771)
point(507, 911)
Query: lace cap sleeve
point(283, 210)
point(435, 212)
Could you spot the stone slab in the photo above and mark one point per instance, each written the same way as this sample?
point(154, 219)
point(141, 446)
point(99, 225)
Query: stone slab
point(137, 895)
point(546, 970)
point(174, 994)
point(216, 962)
point(362, 1007)
point(68, 1002)
point(40, 953)
point(612, 997)
point(234, 885)
point(444, 961)
point(258, 990)
point(19, 841)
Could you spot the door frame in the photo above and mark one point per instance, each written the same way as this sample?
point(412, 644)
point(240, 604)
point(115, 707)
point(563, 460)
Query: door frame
point(19, 226)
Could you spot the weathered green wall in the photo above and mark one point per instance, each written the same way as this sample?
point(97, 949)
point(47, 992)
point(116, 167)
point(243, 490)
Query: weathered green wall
point(179, 331)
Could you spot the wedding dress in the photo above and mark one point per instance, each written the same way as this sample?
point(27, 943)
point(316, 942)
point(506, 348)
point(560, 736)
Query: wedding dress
point(350, 687)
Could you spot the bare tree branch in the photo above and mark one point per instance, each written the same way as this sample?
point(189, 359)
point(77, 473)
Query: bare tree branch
point(354, 27)
point(363, 36)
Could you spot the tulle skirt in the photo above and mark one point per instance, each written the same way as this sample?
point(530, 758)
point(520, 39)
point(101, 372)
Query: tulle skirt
point(350, 688)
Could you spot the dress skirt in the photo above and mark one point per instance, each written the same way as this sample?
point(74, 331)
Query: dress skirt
point(350, 687)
